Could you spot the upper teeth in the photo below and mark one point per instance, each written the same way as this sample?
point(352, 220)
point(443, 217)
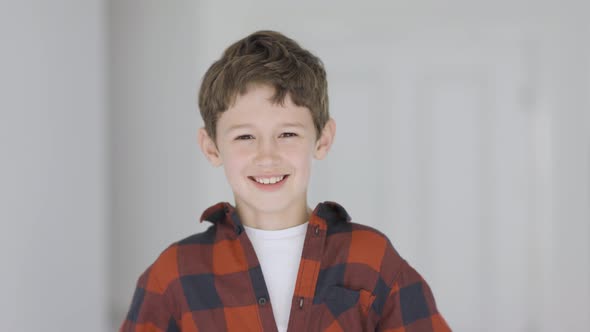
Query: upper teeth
point(273, 179)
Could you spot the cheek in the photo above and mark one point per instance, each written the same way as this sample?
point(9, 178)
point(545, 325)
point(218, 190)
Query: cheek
point(299, 148)
point(234, 161)
point(301, 157)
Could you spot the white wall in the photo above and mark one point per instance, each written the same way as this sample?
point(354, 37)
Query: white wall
point(567, 81)
point(53, 210)
point(154, 155)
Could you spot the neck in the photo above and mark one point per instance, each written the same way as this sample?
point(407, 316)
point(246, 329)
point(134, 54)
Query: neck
point(293, 215)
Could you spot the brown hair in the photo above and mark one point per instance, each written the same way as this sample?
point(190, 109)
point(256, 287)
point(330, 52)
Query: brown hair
point(265, 57)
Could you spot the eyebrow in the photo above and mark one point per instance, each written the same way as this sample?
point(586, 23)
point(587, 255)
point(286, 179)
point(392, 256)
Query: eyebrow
point(248, 126)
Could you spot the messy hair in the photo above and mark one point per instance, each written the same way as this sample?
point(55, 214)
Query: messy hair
point(270, 58)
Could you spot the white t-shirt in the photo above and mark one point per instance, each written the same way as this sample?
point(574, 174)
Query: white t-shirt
point(279, 254)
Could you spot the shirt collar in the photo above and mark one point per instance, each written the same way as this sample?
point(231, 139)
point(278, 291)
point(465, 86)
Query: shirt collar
point(224, 213)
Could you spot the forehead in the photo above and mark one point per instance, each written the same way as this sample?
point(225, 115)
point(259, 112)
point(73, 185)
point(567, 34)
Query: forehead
point(255, 108)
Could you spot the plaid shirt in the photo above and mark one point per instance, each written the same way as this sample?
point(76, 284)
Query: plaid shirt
point(350, 279)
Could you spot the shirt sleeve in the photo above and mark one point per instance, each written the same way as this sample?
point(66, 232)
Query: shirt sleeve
point(410, 305)
point(149, 310)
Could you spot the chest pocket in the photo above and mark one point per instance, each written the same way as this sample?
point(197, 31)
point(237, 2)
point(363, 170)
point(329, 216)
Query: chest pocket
point(349, 307)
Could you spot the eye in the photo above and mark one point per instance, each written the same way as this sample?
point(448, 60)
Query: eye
point(244, 137)
point(288, 135)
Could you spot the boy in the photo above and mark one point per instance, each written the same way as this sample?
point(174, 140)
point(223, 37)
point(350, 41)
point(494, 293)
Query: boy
point(271, 263)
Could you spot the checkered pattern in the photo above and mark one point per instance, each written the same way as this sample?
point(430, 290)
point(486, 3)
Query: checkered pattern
point(350, 279)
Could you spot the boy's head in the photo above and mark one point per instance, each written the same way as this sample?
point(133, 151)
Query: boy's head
point(265, 108)
point(265, 58)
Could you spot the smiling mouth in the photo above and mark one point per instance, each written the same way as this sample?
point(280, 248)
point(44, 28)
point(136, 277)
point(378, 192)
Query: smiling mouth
point(269, 179)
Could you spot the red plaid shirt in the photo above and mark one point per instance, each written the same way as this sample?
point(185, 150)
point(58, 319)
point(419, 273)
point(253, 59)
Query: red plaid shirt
point(350, 279)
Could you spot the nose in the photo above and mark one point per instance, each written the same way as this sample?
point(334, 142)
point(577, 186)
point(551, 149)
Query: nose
point(267, 153)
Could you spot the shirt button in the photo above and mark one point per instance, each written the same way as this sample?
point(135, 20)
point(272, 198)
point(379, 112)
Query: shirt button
point(317, 230)
point(262, 301)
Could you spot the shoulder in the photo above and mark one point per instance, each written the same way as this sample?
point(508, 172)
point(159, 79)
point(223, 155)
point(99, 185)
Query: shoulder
point(375, 248)
point(365, 244)
point(192, 253)
point(371, 236)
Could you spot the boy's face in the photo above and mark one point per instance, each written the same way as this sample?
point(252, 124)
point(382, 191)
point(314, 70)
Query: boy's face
point(271, 143)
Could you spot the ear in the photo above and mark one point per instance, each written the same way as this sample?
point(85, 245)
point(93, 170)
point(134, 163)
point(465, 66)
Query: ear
point(323, 144)
point(209, 148)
